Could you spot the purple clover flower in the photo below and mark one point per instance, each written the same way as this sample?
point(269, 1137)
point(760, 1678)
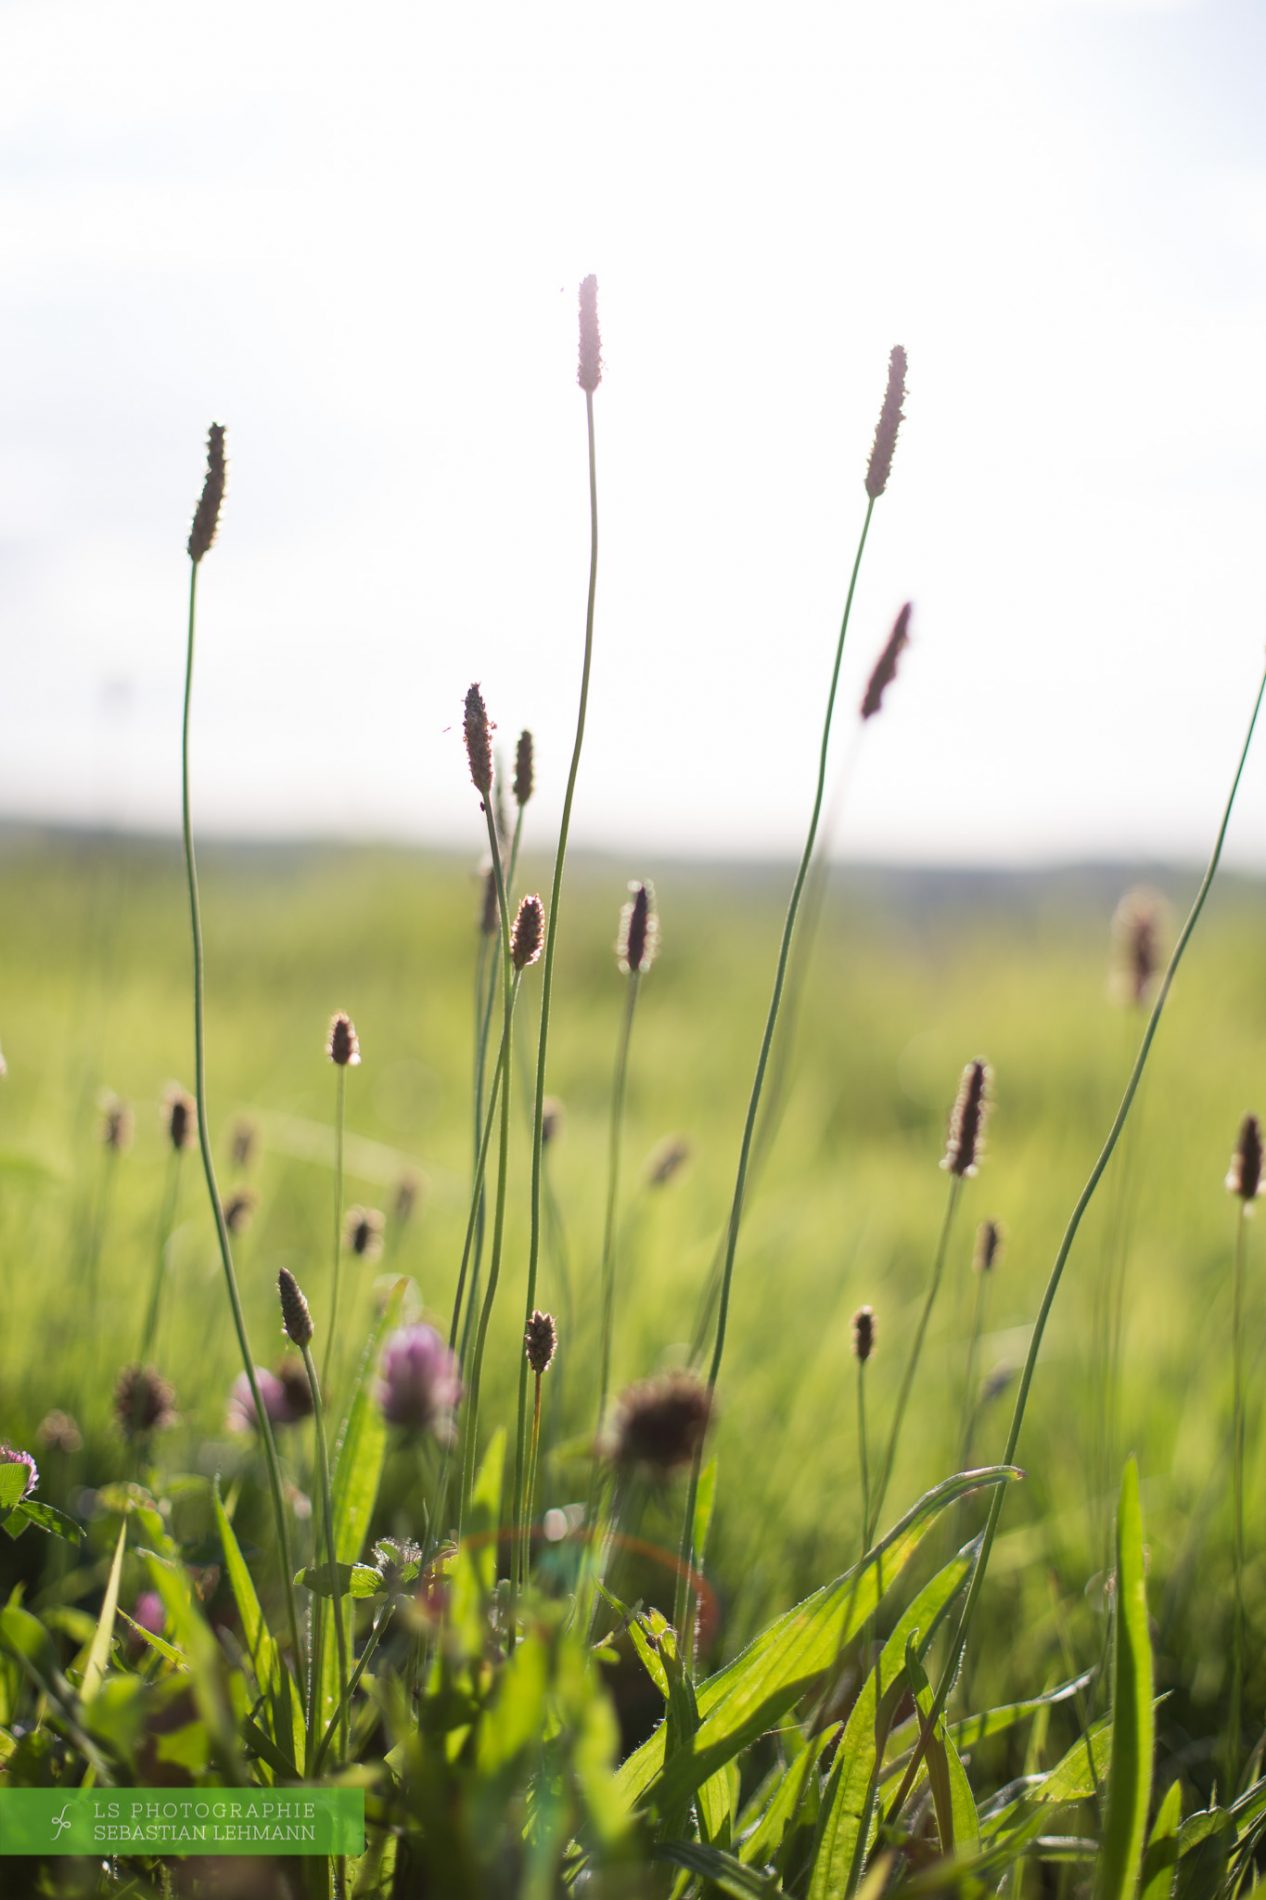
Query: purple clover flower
point(420, 1387)
point(10, 1456)
point(277, 1402)
point(148, 1611)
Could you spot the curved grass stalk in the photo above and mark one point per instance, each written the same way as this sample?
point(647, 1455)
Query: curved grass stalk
point(340, 1070)
point(547, 978)
point(1084, 1199)
point(331, 1557)
point(266, 1436)
point(686, 1565)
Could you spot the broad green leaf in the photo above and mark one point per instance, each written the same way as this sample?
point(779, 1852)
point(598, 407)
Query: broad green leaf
point(754, 1691)
point(274, 1681)
point(99, 1649)
point(790, 1796)
point(350, 1580)
point(720, 1869)
point(14, 1479)
point(848, 1809)
point(1160, 1862)
point(1133, 1723)
point(202, 1654)
point(45, 1518)
point(957, 1821)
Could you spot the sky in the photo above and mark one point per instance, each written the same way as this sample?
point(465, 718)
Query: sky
point(355, 235)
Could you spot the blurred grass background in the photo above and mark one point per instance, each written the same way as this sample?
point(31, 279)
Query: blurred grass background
point(913, 974)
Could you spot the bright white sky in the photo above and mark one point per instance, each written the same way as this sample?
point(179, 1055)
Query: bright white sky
point(354, 235)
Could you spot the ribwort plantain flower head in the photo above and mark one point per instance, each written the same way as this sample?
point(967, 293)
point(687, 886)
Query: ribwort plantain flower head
point(238, 1209)
point(988, 1246)
point(362, 1232)
point(58, 1431)
point(1245, 1176)
point(10, 1455)
point(243, 1142)
point(207, 514)
point(342, 1044)
point(589, 372)
point(885, 670)
point(180, 1114)
point(524, 769)
point(408, 1193)
point(638, 941)
point(666, 1160)
point(540, 1341)
point(116, 1125)
point(891, 417)
point(143, 1402)
point(419, 1388)
point(553, 1116)
point(863, 1333)
point(659, 1423)
point(296, 1314)
point(1138, 925)
point(528, 935)
point(478, 742)
point(966, 1142)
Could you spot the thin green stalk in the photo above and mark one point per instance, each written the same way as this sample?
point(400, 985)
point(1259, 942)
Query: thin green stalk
point(331, 1558)
point(916, 1352)
point(863, 1455)
point(208, 1166)
point(614, 1135)
point(363, 1661)
point(481, 1168)
point(510, 986)
point(686, 1565)
point(1235, 1719)
point(166, 1220)
point(340, 1070)
point(969, 1371)
point(1065, 1248)
point(547, 975)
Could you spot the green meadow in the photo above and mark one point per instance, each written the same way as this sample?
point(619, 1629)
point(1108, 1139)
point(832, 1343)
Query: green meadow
point(911, 976)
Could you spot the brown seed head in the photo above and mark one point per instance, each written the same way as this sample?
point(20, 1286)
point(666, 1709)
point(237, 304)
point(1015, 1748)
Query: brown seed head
point(181, 1116)
point(57, 1431)
point(552, 1117)
point(524, 769)
point(238, 1208)
point(342, 1044)
point(408, 1188)
point(863, 1333)
point(478, 742)
point(967, 1122)
point(116, 1125)
point(243, 1142)
point(540, 1341)
point(207, 515)
point(528, 933)
point(1138, 925)
point(589, 374)
point(988, 1246)
point(891, 417)
point(143, 1401)
point(638, 941)
point(660, 1422)
point(362, 1232)
point(293, 1380)
point(1245, 1176)
point(296, 1315)
point(666, 1160)
point(886, 665)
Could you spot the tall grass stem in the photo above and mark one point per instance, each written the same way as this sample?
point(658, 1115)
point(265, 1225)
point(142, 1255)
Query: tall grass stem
point(340, 1089)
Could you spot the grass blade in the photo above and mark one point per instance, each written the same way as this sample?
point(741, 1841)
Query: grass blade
point(99, 1650)
point(1133, 1722)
